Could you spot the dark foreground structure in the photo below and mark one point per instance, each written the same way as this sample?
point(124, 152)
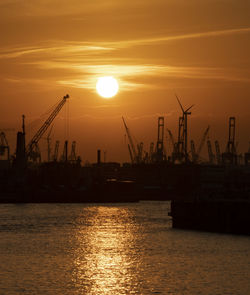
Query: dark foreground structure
point(220, 203)
point(203, 197)
point(214, 216)
point(212, 196)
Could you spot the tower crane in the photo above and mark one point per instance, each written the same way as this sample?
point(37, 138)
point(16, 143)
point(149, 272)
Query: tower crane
point(32, 147)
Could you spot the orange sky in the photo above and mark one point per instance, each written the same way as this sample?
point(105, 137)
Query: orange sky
point(197, 49)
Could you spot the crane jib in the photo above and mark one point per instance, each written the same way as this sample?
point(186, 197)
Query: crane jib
point(46, 124)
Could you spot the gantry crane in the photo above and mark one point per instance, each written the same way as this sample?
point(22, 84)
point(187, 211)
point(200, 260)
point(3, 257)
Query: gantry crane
point(32, 150)
point(230, 156)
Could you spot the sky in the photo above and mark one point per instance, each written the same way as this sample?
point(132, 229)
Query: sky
point(196, 49)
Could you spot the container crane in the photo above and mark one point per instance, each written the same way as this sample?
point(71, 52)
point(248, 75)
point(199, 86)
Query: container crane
point(230, 156)
point(32, 147)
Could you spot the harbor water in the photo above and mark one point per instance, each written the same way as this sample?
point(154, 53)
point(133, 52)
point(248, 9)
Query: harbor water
point(115, 249)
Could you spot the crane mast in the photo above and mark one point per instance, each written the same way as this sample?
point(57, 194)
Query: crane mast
point(34, 141)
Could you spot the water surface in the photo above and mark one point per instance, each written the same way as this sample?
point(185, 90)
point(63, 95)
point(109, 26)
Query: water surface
point(115, 249)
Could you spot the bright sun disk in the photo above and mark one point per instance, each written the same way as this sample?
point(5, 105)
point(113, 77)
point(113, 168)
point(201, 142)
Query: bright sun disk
point(107, 86)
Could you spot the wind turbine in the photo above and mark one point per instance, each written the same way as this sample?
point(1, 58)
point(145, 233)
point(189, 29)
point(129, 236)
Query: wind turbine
point(185, 113)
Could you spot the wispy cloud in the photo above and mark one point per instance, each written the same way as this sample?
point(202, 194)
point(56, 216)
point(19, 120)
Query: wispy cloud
point(128, 75)
point(62, 48)
point(162, 39)
point(59, 50)
point(86, 61)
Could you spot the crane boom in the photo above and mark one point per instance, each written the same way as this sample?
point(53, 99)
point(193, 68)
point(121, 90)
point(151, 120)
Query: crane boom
point(130, 154)
point(45, 126)
point(132, 146)
point(171, 137)
point(203, 141)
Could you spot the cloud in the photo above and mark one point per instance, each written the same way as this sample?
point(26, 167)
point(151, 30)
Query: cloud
point(62, 48)
point(162, 39)
point(86, 61)
point(58, 50)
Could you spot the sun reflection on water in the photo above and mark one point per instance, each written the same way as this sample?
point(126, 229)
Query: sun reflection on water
point(105, 257)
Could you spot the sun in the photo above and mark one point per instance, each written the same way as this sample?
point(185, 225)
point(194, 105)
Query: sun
point(107, 86)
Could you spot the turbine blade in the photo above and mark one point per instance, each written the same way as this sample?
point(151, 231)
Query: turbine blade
point(189, 108)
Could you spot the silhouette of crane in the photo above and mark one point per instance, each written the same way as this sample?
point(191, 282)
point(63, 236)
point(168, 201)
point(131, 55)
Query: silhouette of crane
point(131, 146)
point(32, 149)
